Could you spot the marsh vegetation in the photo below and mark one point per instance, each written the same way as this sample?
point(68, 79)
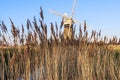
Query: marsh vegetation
point(34, 56)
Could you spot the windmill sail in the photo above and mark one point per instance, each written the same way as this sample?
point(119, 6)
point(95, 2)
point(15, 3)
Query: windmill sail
point(73, 8)
point(58, 14)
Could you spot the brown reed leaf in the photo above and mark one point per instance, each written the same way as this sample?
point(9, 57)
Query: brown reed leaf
point(105, 39)
point(41, 24)
point(110, 41)
point(41, 13)
point(99, 33)
point(22, 29)
point(4, 40)
point(80, 32)
point(14, 30)
point(56, 29)
point(21, 41)
point(0, 34)
point(85, 26)
point(62, 22)
point(92, 34)
point(36, 26)
point(35, 36)
point(45, 30)
point(3, 27)
point(86, 34)
point(52, 28)
point(29, 25)
point(61, 36)
point(74, 29)
point(18, 32)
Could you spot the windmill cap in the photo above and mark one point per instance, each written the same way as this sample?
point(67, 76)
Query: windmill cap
point(65, 14)
point(68, 21)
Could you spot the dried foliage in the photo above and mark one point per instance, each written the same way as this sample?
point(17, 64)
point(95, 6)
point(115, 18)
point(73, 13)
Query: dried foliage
point(37, 57)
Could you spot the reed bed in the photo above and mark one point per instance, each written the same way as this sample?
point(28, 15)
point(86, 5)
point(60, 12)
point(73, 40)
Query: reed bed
point(34, 56)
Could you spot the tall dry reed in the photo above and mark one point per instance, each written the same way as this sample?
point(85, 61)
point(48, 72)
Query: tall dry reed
point(34, 56)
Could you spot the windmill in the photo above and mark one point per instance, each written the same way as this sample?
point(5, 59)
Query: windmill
point(68, 22)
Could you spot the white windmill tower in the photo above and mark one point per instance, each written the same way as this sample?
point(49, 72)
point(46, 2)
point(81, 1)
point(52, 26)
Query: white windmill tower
point(68, 22)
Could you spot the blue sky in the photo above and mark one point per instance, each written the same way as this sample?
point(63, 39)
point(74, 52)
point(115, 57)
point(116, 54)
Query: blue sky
point(101, 15)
